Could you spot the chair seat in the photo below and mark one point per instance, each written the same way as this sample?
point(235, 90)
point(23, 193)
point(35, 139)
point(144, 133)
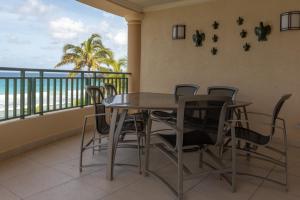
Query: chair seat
point(251, 136)
point(192, 138)
point(163, 115)
point(130, 126)
point(127, 126)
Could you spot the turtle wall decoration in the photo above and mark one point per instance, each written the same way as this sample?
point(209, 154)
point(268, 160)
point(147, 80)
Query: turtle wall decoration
point(198, 38)
point(215, 25)
point(243, 33)
point(246, 46)
point(214, 51)
point(240, 21)
point(262, 31)
point(215, 38)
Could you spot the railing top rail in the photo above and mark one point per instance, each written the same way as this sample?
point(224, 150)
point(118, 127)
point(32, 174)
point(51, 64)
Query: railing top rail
point(58, 70)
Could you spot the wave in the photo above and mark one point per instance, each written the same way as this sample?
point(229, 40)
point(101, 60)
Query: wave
point(37, 95)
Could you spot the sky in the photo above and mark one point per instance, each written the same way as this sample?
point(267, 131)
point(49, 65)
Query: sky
point(33, 32)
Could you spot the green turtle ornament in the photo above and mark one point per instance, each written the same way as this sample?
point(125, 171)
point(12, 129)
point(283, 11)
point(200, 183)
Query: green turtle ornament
point(262, 32)
point(198, 38)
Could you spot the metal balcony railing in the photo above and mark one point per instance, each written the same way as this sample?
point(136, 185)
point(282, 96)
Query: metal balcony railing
point(25, 92)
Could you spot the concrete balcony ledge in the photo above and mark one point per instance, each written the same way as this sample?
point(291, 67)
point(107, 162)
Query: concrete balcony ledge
point(17, 136)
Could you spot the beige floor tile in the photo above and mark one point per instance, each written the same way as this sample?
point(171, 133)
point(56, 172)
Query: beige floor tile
point(72, 190)
point(146, 188)
point(169, 173)
point(71, 167)
point(293, 169)
point(293, 181)
point(7, 195)
point(17, 166)
point(157, 159)
point(250, 169)
point(266, 192)
point(50, 155)
point(293, 155)
point(214, 188)
point(123, 176)
point(37, 181)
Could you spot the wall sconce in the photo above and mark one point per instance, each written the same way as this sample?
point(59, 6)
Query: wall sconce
point(290, 21)
point(178, 32)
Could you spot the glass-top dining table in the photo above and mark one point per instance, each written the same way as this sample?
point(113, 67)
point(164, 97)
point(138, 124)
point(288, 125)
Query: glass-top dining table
point(120, 104)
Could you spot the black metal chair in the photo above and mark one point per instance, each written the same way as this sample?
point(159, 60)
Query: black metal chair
point(180, 90)
point(211, 116)
point(260, 140)
point(223, 91)
point(110, 90)
point(138, 117)
point(102, 128)
point(188, 134)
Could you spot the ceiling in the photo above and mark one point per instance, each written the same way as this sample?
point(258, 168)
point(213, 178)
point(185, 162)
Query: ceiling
point(147, 3)
point(151, 5)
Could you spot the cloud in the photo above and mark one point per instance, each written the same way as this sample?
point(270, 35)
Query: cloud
point(34, 7)
point(103, 26)
point(119, 37)
point(65, 28)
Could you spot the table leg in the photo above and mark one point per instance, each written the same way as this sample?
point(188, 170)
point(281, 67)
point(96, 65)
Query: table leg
point(110, 148)
point(117, 136)
point(246, 116)
point(147, 145)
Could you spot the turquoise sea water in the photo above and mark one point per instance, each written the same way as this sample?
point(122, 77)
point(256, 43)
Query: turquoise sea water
point(16, 75)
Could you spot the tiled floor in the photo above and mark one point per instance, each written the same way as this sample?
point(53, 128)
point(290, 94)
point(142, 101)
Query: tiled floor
point(51, 173)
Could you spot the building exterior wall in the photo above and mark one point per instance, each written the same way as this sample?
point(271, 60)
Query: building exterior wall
point(269, 70)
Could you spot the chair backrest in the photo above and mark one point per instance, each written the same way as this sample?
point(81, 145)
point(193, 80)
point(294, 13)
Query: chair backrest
point(110, 90)
point(186, 89)
point(96, 94)
point(216, 103)
point(223, 91)
point(277, 109)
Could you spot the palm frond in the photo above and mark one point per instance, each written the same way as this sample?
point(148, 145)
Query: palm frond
point(69, 47)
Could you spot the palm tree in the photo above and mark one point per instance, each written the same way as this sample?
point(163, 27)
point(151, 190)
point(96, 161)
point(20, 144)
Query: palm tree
point(118, 65)
point(91, 54)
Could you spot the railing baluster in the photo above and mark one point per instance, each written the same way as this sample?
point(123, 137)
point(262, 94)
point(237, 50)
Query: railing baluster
point(60, 93)
point(98, 82)
point(33, 107)
point(123, 85)
point(66, 93)
point(54, 93)
point(15, 87)
point(120, 85)
point(87, 102)
point(48, 94)
point(41, 100)
point(77, 88)
point(72, 88)
point(22, 94)
point(126, 85)
point(82, 89)
point(6, 109)
point(29, 96)
point(95, 76)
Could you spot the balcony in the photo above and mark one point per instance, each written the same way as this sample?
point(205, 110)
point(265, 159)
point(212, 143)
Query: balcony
point(42, 111)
